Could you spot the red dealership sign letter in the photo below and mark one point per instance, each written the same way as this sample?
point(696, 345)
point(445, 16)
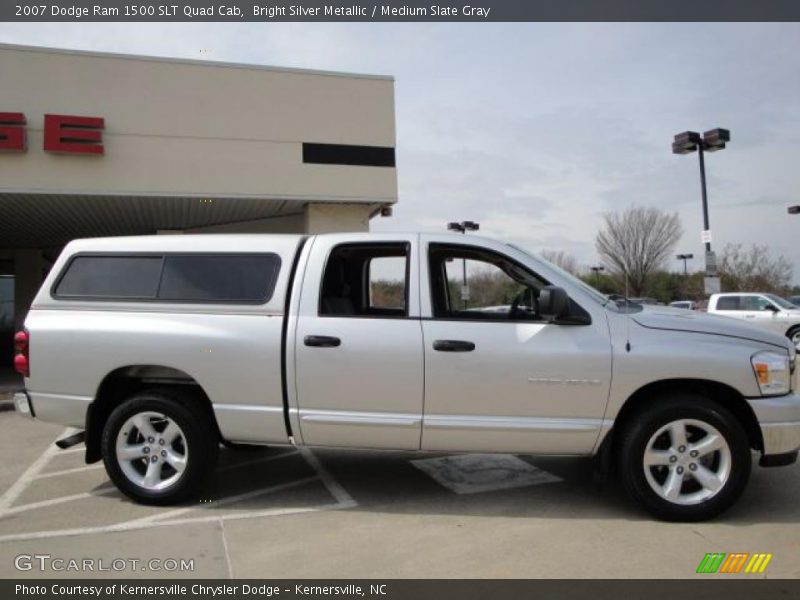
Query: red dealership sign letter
point(78, 135)
point(12, 132)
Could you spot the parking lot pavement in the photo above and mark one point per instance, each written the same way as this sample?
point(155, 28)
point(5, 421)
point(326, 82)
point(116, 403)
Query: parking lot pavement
point(280, 512)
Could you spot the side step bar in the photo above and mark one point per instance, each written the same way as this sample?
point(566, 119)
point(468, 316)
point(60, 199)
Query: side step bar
point(73, 440)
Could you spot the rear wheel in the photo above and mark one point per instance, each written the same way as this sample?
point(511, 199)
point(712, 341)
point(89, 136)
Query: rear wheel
point(159, 447)
point(685, 458)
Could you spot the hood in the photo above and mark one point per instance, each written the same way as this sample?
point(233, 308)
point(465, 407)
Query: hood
point(677, 319)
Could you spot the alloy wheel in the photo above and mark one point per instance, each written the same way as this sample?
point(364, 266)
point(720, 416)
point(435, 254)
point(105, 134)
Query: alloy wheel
point(687, 462)
point(151, 450)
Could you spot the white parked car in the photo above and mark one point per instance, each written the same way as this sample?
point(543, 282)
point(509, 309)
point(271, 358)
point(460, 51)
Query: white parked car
point(762, 310)
point(161, 347)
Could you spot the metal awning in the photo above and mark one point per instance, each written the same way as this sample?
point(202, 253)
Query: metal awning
point(50, 220)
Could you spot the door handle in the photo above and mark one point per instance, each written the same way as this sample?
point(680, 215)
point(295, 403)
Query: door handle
point(453, 346)
point(322, 341)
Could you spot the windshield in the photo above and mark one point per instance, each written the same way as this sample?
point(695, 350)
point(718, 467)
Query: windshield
point(781, 302)
point(597, 296)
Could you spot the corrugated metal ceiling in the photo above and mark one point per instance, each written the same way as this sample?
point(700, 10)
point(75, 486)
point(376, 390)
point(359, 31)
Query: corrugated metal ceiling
point(48, 220)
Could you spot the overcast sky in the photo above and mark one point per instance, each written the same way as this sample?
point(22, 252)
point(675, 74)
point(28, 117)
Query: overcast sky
point(535, 130)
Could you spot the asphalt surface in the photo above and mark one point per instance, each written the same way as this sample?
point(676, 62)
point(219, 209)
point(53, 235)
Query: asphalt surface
point(279, 512)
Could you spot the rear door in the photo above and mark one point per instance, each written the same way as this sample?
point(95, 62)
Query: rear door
point(731, 306)
point(358, 344)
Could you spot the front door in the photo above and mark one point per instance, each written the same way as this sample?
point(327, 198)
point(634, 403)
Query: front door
point(358, 345)
point(762, 312)
point(499, 378)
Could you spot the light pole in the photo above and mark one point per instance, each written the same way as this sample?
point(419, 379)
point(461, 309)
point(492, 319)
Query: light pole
point(597, 270)
point(710, 141)
point(463, 227)
point(684, 258)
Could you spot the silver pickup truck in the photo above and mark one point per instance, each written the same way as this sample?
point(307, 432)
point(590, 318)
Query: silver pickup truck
point(159, 348)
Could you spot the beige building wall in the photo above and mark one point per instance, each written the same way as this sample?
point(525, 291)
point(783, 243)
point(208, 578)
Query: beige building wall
point(329, 218)
point(196, 128)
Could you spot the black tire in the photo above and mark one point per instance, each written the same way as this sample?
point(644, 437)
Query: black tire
point(641, 427)
point(199, 442)
point(792, 332)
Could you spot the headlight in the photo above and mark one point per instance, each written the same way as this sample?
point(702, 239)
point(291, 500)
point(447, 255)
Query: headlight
point(772, 373)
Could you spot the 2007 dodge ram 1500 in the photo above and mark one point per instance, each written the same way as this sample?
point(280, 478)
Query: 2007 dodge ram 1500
point(160, 347)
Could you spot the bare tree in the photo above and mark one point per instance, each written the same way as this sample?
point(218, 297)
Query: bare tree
point(561, 259)
point(637, 242)
point(753, 270)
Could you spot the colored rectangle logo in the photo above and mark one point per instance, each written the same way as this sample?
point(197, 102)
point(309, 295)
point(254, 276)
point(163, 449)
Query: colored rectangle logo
point(734, 563)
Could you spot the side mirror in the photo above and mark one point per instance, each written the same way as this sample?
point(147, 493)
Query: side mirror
point(553, 302)
point(772, 307)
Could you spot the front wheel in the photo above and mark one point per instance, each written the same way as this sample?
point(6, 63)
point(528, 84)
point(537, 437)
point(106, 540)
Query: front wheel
point(158, 447)
point(685, 458)
point(794, 335)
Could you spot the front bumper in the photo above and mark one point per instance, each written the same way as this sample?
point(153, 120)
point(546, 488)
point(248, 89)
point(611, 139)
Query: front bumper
point(779, 419)
point(22, 404)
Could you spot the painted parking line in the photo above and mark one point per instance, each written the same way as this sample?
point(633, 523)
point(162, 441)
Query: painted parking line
point(172, 517)
point(69, 471)
point(22, 508)
point(21, 484)
point(171, 514)
point(336, 490)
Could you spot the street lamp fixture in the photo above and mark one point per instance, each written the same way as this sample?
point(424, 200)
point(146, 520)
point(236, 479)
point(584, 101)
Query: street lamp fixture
point(711, 141)
point(463, 226)
point(684, 258)
point(794, 210)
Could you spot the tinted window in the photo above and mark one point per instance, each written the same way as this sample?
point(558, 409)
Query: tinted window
point(728, 303)
point(111, 277)
point(387, 282)
point(225, 278)
point(475, 285)
point(189, 278)
point(754, 303)
point(782, 302)
point(366, 280)
point(471, 283)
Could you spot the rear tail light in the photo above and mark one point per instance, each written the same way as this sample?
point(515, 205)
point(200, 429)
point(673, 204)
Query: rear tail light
point(22, 353)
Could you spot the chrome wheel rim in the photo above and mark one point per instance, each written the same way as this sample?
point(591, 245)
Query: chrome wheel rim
point(687, 462)
point(796, 338)
point(151, 451)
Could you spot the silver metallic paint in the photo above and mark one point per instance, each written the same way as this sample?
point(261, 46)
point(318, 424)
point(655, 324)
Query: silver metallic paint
point(385, 387)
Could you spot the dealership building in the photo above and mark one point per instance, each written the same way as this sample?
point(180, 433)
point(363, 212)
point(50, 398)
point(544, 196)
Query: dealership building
point(98, 144)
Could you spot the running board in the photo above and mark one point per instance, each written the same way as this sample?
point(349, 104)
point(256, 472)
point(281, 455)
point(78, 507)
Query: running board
point(73, 440)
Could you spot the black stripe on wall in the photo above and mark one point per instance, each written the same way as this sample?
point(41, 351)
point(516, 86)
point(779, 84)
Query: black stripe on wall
point(343, 154)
